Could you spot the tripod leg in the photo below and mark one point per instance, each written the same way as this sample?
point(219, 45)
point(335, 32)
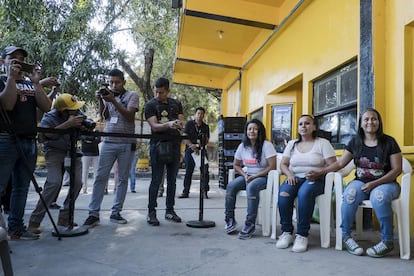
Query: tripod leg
point(36, 186)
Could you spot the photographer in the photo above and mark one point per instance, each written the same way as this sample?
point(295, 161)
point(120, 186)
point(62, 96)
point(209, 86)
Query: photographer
point(117, 107)
point(165, 116)
point(19, 98)
point(56, 146)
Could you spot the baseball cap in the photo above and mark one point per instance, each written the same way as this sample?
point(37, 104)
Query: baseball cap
point(11, 49)
point(67, 101)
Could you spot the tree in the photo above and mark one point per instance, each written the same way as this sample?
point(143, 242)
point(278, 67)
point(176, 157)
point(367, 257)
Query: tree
point(73, 41)
point(154, 26)
point(58, 34)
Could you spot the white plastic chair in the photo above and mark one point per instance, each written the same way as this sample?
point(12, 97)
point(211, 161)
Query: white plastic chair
point(263, 214)
point(323, 201)
point(400, 207)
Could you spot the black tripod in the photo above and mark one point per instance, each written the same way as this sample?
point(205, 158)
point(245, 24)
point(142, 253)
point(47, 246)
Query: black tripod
point(200, 223)
point(38, 189)
point(71, 230)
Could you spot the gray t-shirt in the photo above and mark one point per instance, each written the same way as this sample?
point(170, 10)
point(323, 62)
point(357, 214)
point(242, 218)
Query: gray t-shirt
point(116, 123)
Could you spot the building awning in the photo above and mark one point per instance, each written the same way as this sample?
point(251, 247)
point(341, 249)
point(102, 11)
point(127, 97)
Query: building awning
point(216, 38)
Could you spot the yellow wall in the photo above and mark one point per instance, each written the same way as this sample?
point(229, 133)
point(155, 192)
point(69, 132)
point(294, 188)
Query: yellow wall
point(322, 35)
point(308, 44)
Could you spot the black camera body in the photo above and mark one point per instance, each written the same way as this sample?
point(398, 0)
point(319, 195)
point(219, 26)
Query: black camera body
point(26, 67)
point(104, 91)
point(89, 124)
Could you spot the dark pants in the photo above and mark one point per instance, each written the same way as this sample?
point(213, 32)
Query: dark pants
point(157, 169)
point(189, 170)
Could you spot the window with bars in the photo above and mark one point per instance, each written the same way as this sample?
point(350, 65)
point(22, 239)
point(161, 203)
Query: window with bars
point(335, 103)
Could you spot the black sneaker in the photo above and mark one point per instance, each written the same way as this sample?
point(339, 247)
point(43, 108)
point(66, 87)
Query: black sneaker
point(172, 216)
point(152, 218)
point(247, 232)
point(380, 249)
point(91, 221)
point(231, 225)
point(118, 219)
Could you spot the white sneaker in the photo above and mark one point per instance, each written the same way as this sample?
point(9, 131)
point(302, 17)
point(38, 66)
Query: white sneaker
point(284, 240)
point(300, 244)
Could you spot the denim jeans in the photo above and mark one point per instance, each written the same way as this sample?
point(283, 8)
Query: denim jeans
point(306, 192)
point(132, 172)
point(54, 164)
point(157, 169)
point(108, 154)
point(189, 170)
point(253, 196)
point(380, 197)
point(13, 165)
point(87, 162)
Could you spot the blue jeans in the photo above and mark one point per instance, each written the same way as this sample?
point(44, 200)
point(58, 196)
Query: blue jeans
point(157, 171)
point(380, 197)
point(132, 172)
point(108, 154)
point(14, 166)
point(306, 192)
point(253, 196)
point(189, 170)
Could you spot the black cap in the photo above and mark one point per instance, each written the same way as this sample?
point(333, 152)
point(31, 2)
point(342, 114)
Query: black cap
point(11, 49)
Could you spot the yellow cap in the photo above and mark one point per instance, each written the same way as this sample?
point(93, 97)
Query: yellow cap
point(67, 102)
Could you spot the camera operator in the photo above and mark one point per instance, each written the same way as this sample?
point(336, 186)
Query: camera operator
point(19, 98)
point(117, 107)
point(57, 146)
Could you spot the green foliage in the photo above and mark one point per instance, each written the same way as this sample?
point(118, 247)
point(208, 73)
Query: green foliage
point(73, 40)
point(58, 35)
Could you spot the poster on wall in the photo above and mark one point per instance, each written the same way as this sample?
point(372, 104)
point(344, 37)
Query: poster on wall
point(281, 126)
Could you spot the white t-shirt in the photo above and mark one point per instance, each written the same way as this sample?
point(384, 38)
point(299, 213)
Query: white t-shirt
point(249, 159)
point(300, 163)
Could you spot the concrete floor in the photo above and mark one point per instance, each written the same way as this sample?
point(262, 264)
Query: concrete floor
point(176, 249)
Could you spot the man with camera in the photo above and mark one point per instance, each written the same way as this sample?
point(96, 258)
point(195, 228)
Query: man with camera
point(57, 146)
point(117, 107)
point(165, 116)
point(20, 94)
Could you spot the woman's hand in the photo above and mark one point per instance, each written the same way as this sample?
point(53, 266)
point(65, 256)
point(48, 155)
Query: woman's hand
point(314, 174)
point(291, 179)
point(249, 178)
point(367, 187)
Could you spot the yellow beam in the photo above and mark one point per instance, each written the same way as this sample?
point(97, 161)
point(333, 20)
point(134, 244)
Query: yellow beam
point(211, 56)
point(238, 9)
point(197, 80)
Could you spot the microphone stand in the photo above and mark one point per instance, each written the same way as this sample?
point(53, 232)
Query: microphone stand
point(200, 223)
